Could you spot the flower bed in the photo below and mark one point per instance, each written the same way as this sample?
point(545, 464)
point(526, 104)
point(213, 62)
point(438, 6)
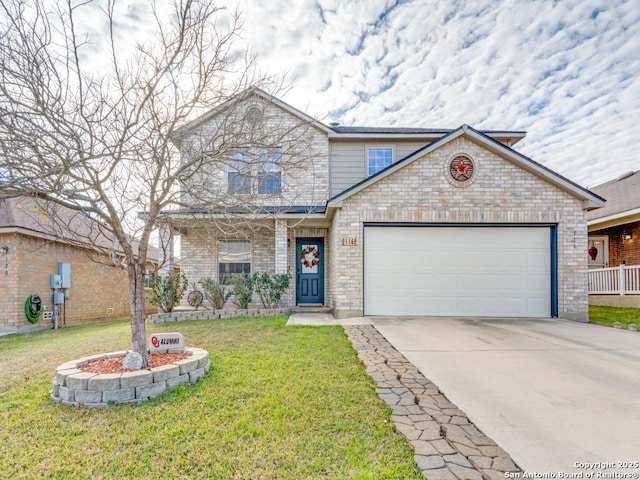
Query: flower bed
point(185, 315)
point(72, 386)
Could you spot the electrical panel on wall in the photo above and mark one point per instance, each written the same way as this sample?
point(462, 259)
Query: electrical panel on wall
point(56, 281)
point(64, 270)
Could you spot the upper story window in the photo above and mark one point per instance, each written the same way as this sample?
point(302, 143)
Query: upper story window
point(239, 174)
point(378, 158)
point(259, 172)
point(270, 171)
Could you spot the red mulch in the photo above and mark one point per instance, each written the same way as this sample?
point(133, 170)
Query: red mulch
point(114, 365)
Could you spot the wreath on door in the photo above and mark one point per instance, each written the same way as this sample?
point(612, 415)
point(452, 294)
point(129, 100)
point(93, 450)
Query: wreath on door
point(315, 256)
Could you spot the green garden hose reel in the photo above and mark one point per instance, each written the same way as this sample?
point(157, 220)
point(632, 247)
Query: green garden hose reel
point(33, 308)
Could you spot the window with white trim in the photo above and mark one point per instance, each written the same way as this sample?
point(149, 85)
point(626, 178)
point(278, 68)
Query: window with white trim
point(378, 158)
point(234, 256)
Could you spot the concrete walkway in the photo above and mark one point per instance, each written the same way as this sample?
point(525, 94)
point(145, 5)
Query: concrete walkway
point(319, 319)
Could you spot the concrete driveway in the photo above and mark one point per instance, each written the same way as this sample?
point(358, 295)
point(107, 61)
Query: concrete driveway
point(554, 394)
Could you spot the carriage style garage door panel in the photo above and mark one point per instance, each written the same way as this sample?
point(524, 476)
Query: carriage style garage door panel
point(465, 271)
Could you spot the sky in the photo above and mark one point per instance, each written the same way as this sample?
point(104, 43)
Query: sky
point(567, 72)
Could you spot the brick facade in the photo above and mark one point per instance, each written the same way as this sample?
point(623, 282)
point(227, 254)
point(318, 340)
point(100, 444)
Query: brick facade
point(621, 250)
point(507, 189)
point(199, 252)
point(27, 267)
point(501, 194)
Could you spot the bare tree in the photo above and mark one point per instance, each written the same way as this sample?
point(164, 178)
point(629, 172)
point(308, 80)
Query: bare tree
point(105, 140)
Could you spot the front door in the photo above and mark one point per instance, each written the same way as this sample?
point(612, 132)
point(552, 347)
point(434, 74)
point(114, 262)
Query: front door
point(598, 251)
point(310, 270)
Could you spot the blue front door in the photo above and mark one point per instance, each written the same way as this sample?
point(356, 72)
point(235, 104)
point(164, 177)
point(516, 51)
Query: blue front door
point(310, 270)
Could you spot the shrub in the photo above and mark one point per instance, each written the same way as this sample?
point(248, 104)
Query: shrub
point(242, 287)
point(215, 293)
point(168, 291)
point(270, 287)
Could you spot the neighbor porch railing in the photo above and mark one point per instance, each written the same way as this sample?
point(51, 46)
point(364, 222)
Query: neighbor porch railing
point(622, 280)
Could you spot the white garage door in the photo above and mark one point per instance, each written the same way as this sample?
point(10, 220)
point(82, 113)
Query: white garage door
point(451, 271)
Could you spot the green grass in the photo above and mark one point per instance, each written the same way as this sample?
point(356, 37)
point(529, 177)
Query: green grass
point(609, 315)
point(279, 403)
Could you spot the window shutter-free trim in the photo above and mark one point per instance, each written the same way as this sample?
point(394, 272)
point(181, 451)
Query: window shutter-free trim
point(378, 158)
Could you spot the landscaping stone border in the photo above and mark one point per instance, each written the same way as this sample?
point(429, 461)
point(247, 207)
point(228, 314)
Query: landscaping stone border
point(72, 386)
point(446, 444)
point(182, 315)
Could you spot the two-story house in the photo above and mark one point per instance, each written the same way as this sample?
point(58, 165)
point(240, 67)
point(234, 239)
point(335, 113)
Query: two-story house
point(388, 221)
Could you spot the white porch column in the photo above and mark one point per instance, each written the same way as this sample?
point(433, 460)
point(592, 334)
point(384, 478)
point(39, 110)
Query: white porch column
point(281, 246)
point(165, 256)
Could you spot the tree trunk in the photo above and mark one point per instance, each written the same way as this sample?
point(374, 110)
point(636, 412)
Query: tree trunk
point(137, 301)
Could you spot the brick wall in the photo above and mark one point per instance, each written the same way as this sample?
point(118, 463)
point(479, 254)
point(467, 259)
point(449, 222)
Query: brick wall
point(420, 192)
point(26, 269)
point(621, 250)
point(199, 252)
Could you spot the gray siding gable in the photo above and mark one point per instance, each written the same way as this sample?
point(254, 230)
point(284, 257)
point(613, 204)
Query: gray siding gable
point(348, 164)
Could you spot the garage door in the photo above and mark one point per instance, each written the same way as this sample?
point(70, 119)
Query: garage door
point(451, 271)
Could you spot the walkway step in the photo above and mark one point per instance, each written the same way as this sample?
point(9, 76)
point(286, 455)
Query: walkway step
point(311, 309)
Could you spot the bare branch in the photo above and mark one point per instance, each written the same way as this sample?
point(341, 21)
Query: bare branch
point(101, 143)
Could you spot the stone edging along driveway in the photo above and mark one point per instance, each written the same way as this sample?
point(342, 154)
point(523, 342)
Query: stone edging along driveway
point(447, 445)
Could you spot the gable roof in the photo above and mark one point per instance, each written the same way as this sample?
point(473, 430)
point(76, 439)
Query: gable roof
point(241, 97)
point(336, 131)
point(590, 199)
point(623, 201)
point(30, 216)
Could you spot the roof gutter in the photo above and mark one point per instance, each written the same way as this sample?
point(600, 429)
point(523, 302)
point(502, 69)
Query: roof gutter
point(508, 138)
point(614, 220)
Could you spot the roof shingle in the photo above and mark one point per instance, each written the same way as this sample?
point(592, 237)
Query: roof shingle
point(622, 194)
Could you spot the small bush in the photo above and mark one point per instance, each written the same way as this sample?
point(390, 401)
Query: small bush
point(242, 290)
point(215, 293)
point(168, 291)
point(270, 287)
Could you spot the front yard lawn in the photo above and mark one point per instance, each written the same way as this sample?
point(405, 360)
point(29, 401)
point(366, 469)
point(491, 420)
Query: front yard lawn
point(279, 403)
point(609, 315)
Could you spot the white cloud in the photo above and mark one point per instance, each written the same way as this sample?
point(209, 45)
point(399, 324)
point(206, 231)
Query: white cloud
point(567, 72)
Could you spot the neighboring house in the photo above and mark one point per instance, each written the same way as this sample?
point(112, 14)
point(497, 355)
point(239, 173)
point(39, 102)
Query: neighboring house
point(397, 221)
point(614, 243)
point(32, 246)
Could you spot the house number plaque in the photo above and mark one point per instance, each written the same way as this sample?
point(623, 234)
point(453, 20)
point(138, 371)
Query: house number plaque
point(350, 242)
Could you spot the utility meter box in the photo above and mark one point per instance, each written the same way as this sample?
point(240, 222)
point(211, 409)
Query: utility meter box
point(64, 270)
point(56, 281)
point(58, 298)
